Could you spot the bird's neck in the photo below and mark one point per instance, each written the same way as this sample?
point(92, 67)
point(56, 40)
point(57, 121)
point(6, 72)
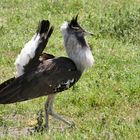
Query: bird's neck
point(81, 55)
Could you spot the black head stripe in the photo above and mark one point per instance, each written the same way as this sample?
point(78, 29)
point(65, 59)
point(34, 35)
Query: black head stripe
point(82, 40)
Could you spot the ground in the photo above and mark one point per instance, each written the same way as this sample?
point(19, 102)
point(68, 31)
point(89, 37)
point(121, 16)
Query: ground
point(105, 103)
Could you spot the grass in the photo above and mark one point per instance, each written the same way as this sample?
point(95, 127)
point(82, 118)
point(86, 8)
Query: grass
point(105, 103)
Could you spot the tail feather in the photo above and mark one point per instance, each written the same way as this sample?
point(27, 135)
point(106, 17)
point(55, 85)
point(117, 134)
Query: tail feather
point(45, 34)
point(33, 49)
point(43, 26)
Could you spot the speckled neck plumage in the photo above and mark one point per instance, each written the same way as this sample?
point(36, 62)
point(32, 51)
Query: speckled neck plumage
point(78, 52)
point(81, 55)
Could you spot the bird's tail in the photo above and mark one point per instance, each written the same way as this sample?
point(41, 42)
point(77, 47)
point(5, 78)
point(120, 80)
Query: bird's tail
point(32, 50)
point(10, 90)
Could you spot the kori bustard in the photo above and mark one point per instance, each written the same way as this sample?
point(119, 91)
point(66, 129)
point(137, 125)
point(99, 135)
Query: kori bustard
point(41, 74)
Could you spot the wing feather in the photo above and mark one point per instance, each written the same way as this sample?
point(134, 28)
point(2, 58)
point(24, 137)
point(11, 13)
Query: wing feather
point(50, 77)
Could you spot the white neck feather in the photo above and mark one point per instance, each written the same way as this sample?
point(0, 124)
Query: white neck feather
point(81, 55)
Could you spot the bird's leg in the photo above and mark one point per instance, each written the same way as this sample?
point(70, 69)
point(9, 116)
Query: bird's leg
point(49, 111)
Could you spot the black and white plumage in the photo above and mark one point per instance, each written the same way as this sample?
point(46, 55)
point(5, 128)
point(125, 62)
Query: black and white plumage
point(40, 74)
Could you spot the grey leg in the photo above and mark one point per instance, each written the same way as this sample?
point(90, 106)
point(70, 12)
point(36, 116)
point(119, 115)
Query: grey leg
point(47, 104)
point(49, 111)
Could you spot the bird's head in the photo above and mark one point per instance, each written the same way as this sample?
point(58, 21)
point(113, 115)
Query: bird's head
point(73, 31)
point(76, 45)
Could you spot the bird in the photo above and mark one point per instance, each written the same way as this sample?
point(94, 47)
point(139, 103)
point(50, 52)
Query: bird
point(43, 74)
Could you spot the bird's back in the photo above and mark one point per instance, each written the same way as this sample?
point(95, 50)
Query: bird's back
point(49, 77)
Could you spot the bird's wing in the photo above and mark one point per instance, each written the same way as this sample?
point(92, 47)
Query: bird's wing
point(32, 50)
point(6, 83)
point(52, 76)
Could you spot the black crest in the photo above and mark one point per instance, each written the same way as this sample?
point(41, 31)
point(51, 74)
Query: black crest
point(73, 23)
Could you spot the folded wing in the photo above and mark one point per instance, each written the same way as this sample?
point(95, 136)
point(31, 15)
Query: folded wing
point(51, 76)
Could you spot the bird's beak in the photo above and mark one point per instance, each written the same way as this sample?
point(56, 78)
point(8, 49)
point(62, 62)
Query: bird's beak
point(88, 33)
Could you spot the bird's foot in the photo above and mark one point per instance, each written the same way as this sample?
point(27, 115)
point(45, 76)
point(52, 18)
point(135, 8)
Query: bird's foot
point(71, 125)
